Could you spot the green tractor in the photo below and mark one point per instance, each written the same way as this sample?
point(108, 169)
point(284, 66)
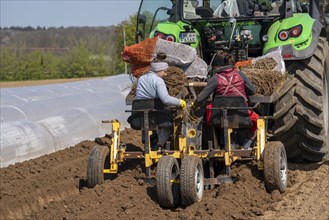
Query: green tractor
point(252, 28)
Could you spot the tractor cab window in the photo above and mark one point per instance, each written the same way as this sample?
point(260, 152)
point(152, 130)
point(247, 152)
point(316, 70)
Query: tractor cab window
point(189, 9)
point(199, 9)
point(151, 12)
point(228, 8)
point(214, 9)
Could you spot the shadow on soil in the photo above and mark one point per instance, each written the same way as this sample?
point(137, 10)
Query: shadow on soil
point(151, 192)
point(307, 166)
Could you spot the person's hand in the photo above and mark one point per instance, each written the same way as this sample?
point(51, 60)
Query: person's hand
point(182, 104)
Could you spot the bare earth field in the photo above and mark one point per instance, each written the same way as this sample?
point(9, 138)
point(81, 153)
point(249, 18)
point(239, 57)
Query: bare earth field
point(54, 187)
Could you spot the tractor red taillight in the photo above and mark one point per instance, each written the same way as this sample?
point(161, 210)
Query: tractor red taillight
point(160, 35)
point(296, 31)
point(170, 38)
point(292, 32)
point(286, 56)
point(283, 35)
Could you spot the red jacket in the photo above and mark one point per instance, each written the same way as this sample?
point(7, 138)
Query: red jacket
point(230, 83)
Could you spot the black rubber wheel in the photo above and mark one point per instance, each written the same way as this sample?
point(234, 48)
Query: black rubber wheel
point(191, 180)
point(167, 186)
point(275, 167)
point(301, 107)
point(98, 160)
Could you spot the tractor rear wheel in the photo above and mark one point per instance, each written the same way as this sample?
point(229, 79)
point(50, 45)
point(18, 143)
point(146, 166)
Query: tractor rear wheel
point(97, 162)
point(167, 185)
point(275, 167)
point(301, 107)
point(191, 180)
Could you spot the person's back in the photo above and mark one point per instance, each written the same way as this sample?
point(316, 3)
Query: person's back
point(152, 86)
point(230, 83)
point(226, 82)
point(146, 87)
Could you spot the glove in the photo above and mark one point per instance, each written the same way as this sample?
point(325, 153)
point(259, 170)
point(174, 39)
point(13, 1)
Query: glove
point(182, 104)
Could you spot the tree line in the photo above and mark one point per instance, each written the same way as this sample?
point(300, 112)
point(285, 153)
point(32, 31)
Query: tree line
point(39, 53)
point(28, 53)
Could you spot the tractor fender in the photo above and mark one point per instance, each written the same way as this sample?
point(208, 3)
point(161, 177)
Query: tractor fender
point(309, 51)
point(287, 50)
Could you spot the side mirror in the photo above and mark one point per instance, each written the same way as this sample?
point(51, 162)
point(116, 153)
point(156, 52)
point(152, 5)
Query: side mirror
point(142, 19)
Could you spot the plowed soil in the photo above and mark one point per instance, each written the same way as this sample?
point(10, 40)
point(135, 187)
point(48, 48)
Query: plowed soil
point(40, 82)
point(54, 187)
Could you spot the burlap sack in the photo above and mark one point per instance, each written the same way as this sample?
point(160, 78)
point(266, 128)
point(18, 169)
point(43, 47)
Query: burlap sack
point(177, 54)
point(198, 68)
point(141, 55)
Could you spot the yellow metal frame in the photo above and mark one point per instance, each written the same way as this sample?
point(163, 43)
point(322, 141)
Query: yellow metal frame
point(261, 141)
point(118, 153)
point(114, 149)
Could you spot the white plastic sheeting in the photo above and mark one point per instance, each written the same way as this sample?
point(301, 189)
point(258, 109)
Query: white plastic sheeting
point(43, 119)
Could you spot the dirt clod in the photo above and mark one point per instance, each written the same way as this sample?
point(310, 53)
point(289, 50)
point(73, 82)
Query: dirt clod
point(276, 195)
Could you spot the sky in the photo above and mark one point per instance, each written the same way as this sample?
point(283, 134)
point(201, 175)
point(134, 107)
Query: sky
point(66, 13)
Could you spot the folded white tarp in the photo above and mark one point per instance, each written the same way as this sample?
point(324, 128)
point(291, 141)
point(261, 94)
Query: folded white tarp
point(39, 120)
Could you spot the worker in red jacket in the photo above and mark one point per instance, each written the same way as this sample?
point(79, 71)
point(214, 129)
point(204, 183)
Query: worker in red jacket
point(227, 81)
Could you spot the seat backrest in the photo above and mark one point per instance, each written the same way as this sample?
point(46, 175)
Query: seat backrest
point(136, 119)
point(204, 12)
point(238, 118)
point(141, 104)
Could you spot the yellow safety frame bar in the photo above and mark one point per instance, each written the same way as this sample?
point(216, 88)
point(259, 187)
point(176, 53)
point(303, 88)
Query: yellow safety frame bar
point(114, 154)
point(117, 154)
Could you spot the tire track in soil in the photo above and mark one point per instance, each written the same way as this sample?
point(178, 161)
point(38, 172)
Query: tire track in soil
point(53, 187)
point(308, 197)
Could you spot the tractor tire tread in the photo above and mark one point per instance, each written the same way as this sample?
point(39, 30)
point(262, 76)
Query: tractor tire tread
point(304, 116)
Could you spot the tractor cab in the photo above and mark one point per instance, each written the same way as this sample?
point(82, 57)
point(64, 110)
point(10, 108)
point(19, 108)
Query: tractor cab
point(243, 27)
